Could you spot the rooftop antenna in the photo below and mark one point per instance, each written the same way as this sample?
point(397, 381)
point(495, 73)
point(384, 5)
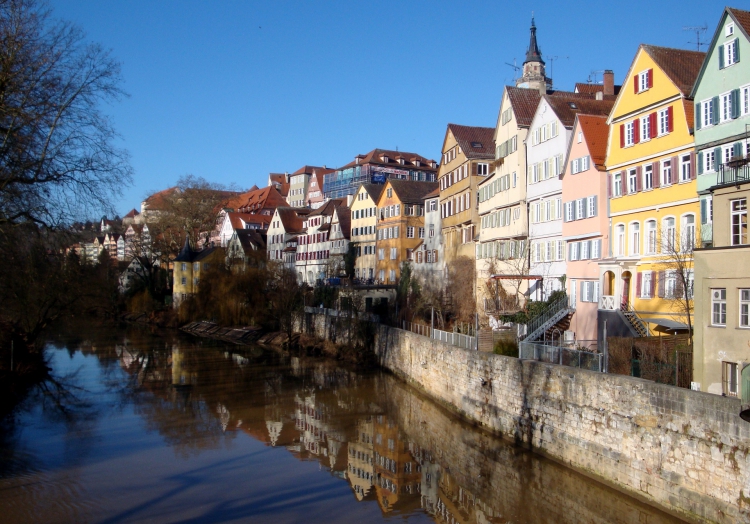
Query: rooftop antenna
point(698, 30)
point(592, 76)
point(516, 69)
point(552, 65)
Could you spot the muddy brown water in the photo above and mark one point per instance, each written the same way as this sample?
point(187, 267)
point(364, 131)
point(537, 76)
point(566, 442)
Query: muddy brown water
point(146, 426)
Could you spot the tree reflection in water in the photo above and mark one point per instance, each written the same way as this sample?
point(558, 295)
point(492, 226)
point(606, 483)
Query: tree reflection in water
point(396, 450)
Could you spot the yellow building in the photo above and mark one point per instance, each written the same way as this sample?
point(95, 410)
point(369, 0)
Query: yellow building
point(400, 227)
point(653, 199)
point(467, 154)
point(364, 222)
point(188, 267)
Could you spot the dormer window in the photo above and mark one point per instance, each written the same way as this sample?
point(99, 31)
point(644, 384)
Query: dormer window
point(385, 159)
point(417, 163)
point(401, 161)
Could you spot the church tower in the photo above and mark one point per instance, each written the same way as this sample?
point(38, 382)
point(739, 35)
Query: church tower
point(534, 76)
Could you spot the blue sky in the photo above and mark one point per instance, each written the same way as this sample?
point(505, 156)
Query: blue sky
point(233, 90)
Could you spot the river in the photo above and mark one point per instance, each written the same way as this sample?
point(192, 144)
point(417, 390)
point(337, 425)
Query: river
point(145, 426)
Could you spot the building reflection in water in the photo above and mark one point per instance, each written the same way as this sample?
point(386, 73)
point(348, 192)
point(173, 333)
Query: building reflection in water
point(392, 447)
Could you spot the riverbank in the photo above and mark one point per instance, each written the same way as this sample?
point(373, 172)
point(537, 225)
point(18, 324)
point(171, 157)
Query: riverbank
point(685, 451)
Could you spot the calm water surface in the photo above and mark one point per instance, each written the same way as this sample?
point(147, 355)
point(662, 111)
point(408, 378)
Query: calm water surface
point(160, 427)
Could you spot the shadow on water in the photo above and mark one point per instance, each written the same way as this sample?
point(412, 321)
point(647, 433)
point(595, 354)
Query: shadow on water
point(169, 428)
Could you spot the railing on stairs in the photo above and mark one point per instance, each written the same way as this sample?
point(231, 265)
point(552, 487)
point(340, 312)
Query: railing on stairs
point(551, 315)
point(634, 320)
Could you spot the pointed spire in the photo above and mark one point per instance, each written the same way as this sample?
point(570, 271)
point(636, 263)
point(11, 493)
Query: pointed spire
point(533, 54)
point(186, 253)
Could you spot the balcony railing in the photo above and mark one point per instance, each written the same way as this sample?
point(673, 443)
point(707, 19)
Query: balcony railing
point(734, 172)
point(607, 302)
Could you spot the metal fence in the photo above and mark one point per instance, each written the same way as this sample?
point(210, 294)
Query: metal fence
point(560, 355)
point(454, 339)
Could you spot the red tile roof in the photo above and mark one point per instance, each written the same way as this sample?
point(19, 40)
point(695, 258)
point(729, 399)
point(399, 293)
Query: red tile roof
point(256, 200)
point(596, 133)
point(566, 107)
point(307, 170)
point(239, 220)
point(291, 218)
point(344, 215)
point(475, 142)
point(742, 17)
point(132, 214)
point(433, 194)
point(374, 190)
point(524, 101)
point(411, 191)
point(376, 157)
point(282, 180)
point(680, 65)
point(592, 89)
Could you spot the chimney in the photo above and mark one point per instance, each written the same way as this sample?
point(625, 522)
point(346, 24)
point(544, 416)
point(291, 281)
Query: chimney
point(349, 200)
point(609, 82)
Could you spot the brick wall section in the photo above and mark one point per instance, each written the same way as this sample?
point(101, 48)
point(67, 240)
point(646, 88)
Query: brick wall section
point(684, 450)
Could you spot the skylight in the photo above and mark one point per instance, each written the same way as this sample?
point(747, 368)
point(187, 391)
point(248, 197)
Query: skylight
point(477, 145)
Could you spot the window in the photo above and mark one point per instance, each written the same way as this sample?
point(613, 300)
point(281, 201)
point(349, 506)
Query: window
point(685, 167)
point(646, 279)
point(745, 100)
point(392, 275)
point(394, 253)
point(646, 127)
point(668, 240)
point(592, 206)
point(729, 378)
point(483, 169)
point(389, 193)
point(650, 237)
point(719, 307)
point(635, 238)
point(744, 308)
point(709, 160)
point(620, 239)
point(381, 254)
point(410, 232)
point(729, 29)
point(421, 232)
point(725, 111)
point(729, 56)
point(629, 134)
point(644, 80)
point(688, 233)
point(632, 181)
point(648, 177)
point(666, 172)
point(184, 281)
point(739, 221)
point(670, 284)
point(706, 113)
point(184, 266)
point(617, 185)
point(665, 121)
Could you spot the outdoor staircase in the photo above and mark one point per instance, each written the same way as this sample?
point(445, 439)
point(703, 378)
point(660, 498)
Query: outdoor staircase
point(556, 312)
point(632, 318)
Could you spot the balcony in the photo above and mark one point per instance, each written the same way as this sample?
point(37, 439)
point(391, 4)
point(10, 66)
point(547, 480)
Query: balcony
point(608, 302)
point(734, 172)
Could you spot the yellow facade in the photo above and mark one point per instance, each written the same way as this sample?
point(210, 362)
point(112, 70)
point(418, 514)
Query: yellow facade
point(653, 206)
point(363, 226)
point(187, 274)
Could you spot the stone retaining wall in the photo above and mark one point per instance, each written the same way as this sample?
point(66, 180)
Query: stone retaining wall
point(684, 450)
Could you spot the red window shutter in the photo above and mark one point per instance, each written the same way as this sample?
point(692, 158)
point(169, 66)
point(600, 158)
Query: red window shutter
point(650, 78)
point(635, 84)
point(638, 278)
point(636, 130)
point(653, 284)
point(652, 125)
point(656, 174)
point(622, 135)
point(670, 119)
point(675, 169)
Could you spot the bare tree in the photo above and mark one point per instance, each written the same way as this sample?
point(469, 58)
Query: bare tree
point(460, 288)
point(675, 276)
point(58, 160)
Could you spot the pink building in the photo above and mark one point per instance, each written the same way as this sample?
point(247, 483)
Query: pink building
point(585, 221)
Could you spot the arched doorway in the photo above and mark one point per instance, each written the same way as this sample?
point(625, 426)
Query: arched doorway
point(609, 283)
point(626, 278)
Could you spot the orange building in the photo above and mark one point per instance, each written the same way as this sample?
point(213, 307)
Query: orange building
point(400, 227)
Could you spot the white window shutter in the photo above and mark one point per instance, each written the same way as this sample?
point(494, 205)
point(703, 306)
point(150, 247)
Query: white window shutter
point(596, 292)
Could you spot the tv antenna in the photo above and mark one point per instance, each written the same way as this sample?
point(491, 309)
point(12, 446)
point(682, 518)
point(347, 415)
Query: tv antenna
point(592, 76)
point(698, 30)
point(552, 65)
point(516, 69)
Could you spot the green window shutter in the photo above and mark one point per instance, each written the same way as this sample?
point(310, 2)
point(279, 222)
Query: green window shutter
point(721, 57)
point(717, 158)
point(697, 118)
point(736, 103)
point(715, 109)
point(737, 50)
point(700, 163)
point(737, 150)
point(704, 209)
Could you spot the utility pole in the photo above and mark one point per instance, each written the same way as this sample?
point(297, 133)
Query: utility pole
point(698, 30)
